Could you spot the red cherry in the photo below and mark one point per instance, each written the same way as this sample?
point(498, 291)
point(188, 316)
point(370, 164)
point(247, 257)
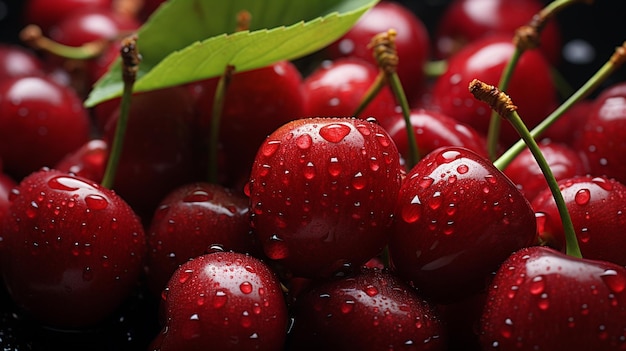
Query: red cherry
point(412, 42)
point(571, 124)
point(66, 241)
point(16, 61)
point(46, 13)
point(318, 187)
point(373, 310)
point(524, 171)
point(88, 161)
point(336, 88)
point(192, 220)
point(457, 219)
point(223, 301)
point(595, 205)
point(40, 122)
point(433, 130)
point(542, 299)
point(531, 85)
point(603, 139)
point(464, 21)
point(6, 185)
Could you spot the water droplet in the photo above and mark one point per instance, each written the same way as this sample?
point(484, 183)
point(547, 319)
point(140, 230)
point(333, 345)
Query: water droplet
point(537, 285)
point(374, 165)
point(614, 281)
point(220, 298)
point(304, 141)
point(462, 169)
point(371, 290)
point(31, 211)
point(185, 275)
point(347, 306)
point(447, 156)
point(544, 302)
point(87, 274)
point(436, 201)
point(198, 196)
point(65, 183)
point(359, 182)
point(364, 129)
point(309, 171)
point(603, 183)
point(507, 328)
point(192, 327)
point(96, 202)
point(383, 140)
point(584, 235)
point(334, 167)
point(582, 197)
point(413, 211)
point(270, 148)
point(334, 132)
point(245, 287)
point(245, 320)
point(276, 248)
point(426, 182)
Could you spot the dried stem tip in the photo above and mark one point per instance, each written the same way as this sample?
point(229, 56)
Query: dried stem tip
point(244, 18)
point(496, 99)
point(130, 59)
point(619, 56)
point(384, 50)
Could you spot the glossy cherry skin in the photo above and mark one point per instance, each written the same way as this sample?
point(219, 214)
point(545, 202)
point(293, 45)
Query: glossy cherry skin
point(412, 42)
point(46, 13)
point(433, 130)
point(531, 86)
point(465, 21)
point(373, 310)
point(571, 125)
point(596, 206)
point(318, 186)
point(6, 185)
point(40, 122)
point(524, 171)
point(603, 139)
point(223, 301)
point(66, 241)
point(88, 161)
point(17, 61)
point(336, 88)
point(457, 219)
point(252, 110)
point(542, 299)
point(190, 221)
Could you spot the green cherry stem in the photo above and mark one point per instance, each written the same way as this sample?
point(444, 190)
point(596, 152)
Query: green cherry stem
point(130, 65)
point(216, 118)
point(385, 53)
point(503, 106)
point(616, 61)
point(32, 36)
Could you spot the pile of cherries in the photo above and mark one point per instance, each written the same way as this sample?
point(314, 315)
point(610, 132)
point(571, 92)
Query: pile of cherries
point(318, 232)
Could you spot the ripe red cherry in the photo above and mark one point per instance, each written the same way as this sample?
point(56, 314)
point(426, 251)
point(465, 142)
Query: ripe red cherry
point(433, 130)
point(40, 122)
point(464, 21)
point(457, 219)
point(190, 221)
point(322, 192)
point(16, 61)
point(46, 13)
point(603, 139)
point(596, 206)
point(66, 241)
point(373, 310)
point(542, 299)
point(223, 301)
point(531, 85)
point(336, 88)
point(526, 174)
point(412, 42)
point(6, 185)
point(88, 161)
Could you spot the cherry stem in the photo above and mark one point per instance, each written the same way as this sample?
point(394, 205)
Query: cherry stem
point(33, 36)
point(385, 53)
point(503, 106)
point(616, 61)
point(526, 37)
point(216, 117)
point(371, 93)
point(130, 65)
point(434, 69)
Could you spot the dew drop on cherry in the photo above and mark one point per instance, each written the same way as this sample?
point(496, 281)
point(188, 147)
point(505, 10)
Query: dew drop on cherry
point(334, 167)
point(436, 201)
point(358, 181)
point(276, 248)
point(31, 211)
point(371, 290)
point(462, 168)
point(304, 141)
point(603, 183)
point(383, 140)
point(334, 133)
point(447, 156)
point(185, 275)
point(537, 285)
point(412, 212)
point(347, 306)
point(245, 319)
point(198, 196)
point(64, 183)
point(615, 282)
point(309, 171)
point(220, 298)
point(582, 197)
point(269, 148)
point(245, 287)
point(96, 202)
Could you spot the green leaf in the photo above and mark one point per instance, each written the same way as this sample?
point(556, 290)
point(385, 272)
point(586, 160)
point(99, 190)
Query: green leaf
point(190, 40)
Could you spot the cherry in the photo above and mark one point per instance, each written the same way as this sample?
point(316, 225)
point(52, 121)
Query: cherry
point(88, 161)
point(433, 130)
point(251, 110)
point(595, 205)
point(526, 174)
point(485, 59)
point(318, 187)
point(66, 241)
point(40, 122)
point(336, 88)
point(190, 221)
point(46, 13)
point(224, 301)
point(576, 304)
point(373, 310)
point(6, 185)
point(412, 42)
point(438, 243)
point(464, 21)
point(17, 61)
point(570, 125)
point(602, 140)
